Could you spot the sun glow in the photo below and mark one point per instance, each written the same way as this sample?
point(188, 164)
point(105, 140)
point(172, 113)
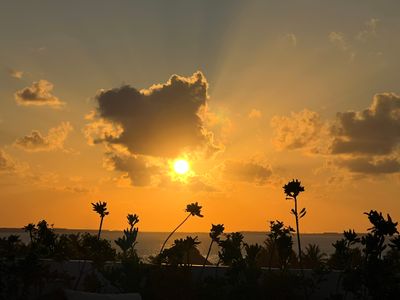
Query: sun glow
point(181, 166)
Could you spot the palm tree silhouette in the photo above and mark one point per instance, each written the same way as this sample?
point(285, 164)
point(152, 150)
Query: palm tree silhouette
point(194, 209)
point(215, 232)
point(30, 228)
point(292, 189)
point(100, 208)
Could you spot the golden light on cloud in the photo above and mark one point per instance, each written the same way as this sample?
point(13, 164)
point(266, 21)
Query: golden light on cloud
point(181, 166)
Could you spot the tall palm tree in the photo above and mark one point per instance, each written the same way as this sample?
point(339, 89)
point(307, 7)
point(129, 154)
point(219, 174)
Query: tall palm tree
point(292, 189)
point(215, 232)
point(30, 228)
point(100, 208)
point(194, 209)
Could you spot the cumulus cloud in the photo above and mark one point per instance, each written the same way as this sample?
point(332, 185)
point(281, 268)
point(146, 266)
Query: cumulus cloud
point(301, 130)
point(164, 120)
point(54, 140)
point(38, 94)
point(373, 131)
point(247, 171)
point(144, 129)
point(363, 142)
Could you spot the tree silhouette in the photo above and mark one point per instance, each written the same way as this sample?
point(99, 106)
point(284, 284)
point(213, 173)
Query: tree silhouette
point(194, 209)
point(215, 232)
point(100, 208)
point(30, 228)
point(292, 189)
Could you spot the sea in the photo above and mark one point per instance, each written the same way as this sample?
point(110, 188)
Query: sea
point(149, 243)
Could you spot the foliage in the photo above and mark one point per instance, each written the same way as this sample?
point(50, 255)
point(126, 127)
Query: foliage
point(181, 252)
point(368, 273)
point(128, 241)
point(278, 250)
point(194, 209)
point(231, 248)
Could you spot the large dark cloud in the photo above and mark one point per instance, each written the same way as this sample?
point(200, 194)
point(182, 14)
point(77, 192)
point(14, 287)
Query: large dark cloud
point(244, 171)
point(38, 94)
point(365, 165)
point(139, 170)
point(372, 131)
point(163, 121)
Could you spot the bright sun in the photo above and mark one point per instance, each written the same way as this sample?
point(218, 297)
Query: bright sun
point(181, 166)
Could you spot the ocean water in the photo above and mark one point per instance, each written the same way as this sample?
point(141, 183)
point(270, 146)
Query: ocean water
point(149, 243)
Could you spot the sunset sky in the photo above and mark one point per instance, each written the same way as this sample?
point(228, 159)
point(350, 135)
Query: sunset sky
point(98, 99)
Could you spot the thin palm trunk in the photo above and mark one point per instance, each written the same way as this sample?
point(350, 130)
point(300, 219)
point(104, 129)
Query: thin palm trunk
point(165, 242)
point(298, 233)
point(101, 224)
point(206, 259)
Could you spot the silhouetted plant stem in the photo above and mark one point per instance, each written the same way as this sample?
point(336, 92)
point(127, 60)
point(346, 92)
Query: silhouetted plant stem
point(165, 242)
point(101, 224)
point(298, 232)
point(206, 259)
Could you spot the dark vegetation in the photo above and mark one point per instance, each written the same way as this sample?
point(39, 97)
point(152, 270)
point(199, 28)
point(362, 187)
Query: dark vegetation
point(368, 265)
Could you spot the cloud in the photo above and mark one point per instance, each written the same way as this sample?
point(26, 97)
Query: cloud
point(373, 131)
point(38, 94)
point(164, 120)
point(254, 114)
point(369, 31)
point(139, 169)
point(338, 39)
point(301, 130)
point(54, 140)
point(363, 142)
point(247, 171)
point(7, 164)
point(15, 74)
point(365, 165)
point(289, 39)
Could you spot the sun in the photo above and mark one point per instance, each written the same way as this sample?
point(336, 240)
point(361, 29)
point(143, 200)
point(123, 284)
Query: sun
point(181, 166)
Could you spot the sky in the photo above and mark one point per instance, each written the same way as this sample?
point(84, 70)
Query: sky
point(98, 99)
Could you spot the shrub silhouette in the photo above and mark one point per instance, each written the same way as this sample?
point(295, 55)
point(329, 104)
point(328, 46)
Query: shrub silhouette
point(313, 257)
point(231, 248)
point(128, 241)
point(182, 252)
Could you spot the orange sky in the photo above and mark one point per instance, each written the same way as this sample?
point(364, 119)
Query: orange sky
point(96, 105)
